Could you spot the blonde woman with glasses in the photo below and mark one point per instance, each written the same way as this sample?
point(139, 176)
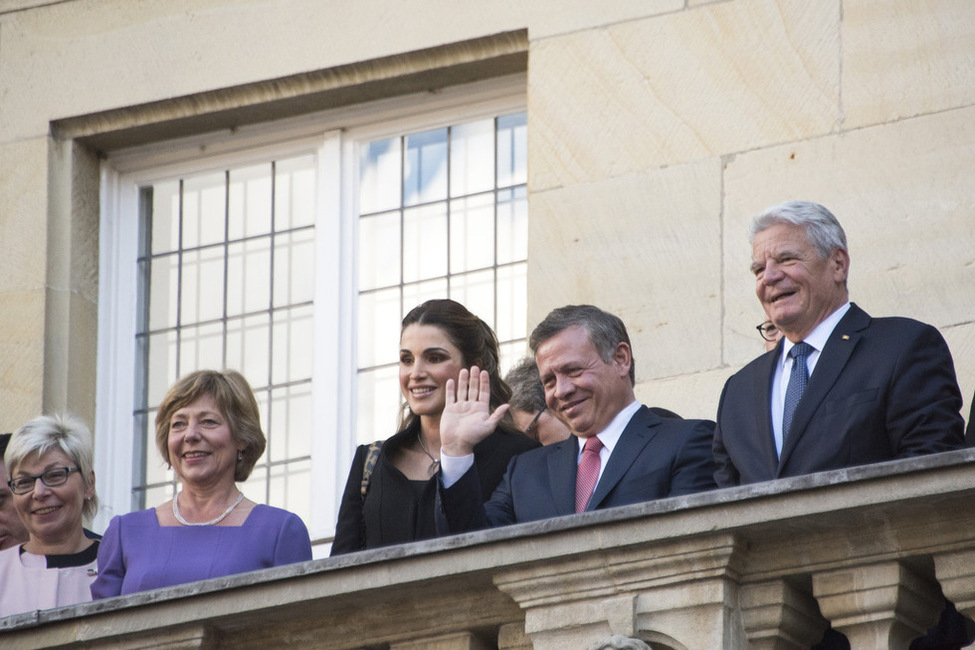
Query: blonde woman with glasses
point(50, 465)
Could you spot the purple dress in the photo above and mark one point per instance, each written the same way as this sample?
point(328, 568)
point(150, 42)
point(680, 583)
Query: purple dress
point(137, 554)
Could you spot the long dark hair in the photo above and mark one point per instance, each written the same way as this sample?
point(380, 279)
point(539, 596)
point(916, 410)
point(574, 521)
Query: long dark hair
point(476, 341)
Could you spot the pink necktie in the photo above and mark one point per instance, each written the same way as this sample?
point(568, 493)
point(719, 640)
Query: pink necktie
point(588, 472)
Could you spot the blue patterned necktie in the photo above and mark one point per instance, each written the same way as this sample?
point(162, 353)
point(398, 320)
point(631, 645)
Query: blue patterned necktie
point(797, 384)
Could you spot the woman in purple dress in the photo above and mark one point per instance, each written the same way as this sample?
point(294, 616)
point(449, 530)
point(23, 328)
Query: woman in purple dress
point(208, 430)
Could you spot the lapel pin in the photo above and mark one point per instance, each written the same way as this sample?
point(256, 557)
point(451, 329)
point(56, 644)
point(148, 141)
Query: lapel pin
point(846, 337)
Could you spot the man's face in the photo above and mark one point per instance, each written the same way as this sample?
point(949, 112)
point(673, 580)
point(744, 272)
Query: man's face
point(12, 531)
point(543, 427)
point(581, 389)
point(797, 288)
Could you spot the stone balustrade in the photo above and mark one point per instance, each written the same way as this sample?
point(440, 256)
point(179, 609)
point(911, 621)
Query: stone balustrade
point(872, 550)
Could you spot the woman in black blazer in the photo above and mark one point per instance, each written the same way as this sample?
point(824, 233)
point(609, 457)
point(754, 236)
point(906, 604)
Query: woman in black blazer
point(391, 490)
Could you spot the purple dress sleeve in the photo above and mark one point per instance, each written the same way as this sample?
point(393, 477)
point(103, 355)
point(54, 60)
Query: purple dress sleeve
point(294, 543)
point(111, 570)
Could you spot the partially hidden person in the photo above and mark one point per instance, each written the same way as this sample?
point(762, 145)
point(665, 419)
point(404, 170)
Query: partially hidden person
point(50, 460)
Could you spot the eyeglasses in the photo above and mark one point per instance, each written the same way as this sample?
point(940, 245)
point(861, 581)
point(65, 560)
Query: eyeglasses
point(51, 478)
point(534, 421)
point(768, 330)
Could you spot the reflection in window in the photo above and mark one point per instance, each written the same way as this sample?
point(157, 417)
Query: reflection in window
point(441, 214)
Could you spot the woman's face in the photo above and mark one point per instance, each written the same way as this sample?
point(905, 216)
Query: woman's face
point(202, 450)
point(51, 513)
point(427, 359)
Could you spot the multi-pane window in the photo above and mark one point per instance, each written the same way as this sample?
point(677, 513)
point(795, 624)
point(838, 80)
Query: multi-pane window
point(442, 213)
point(291, 255)
point(227, 278)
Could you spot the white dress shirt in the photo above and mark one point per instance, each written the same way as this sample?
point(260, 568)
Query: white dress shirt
point(783, 369)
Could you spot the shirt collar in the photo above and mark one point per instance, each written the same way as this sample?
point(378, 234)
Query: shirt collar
point(820, 334)
point(611, 434)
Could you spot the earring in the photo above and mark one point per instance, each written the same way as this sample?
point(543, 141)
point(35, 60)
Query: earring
point(240, 456)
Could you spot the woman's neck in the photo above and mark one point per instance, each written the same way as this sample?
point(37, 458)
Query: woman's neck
point(430, 431)
point(204, 498)
point(74, 542)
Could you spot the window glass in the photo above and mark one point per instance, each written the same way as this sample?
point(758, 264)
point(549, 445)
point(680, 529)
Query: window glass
point(472, 158)
point(230, 282)
point(461, 232)
point(425, 167)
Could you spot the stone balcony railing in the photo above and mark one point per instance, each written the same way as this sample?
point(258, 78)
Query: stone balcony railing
point(870, 549)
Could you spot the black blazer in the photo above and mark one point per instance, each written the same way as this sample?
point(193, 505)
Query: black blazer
point(654, 458)
point(395, 510)
point(883, 388)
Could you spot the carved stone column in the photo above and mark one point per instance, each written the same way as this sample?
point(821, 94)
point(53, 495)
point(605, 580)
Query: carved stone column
point(781, 615)
point(883, 605)
point(956, 572)
point(676, 594)
point(511, 636)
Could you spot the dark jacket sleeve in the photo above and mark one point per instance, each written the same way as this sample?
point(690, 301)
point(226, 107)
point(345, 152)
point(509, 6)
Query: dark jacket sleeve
point(461, 508)
point(349, 528)
point(493, 454)
point(694, 467)
point(924, 404)
point(725, 474)
point(970, 431)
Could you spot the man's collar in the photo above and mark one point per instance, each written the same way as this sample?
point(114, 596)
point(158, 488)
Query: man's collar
point(611, 434)
point(820, 334)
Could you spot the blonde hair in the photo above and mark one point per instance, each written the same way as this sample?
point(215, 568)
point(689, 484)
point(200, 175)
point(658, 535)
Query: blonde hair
point(235, 399)
point(67, 433)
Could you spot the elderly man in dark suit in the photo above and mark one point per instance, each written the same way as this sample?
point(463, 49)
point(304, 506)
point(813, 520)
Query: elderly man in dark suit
point(840, 388)
point(863, 390)
point(620, 451)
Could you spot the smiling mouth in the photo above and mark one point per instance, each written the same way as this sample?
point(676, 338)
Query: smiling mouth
point(421, 392)
point(45, 511)
point(568, 407)
point(196, 454)
point(782, 295)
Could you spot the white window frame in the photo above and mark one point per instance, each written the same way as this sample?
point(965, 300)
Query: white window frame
point(334, 137)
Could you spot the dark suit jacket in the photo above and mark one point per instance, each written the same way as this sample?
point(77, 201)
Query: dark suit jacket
point(883, 388)
point(970, 431)
point(654, 458)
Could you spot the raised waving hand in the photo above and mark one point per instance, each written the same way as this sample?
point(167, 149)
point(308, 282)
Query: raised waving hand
point(467, 417)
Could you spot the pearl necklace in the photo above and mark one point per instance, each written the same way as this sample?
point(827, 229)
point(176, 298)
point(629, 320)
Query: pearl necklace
point(212, 522)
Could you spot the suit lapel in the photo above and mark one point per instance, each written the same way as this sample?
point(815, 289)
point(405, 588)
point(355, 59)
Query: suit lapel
point(834, 357)
point(638, 432)
point(562, 466)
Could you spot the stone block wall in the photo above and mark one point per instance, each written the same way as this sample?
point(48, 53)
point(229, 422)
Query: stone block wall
point(655, 128)
point(653, 141)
